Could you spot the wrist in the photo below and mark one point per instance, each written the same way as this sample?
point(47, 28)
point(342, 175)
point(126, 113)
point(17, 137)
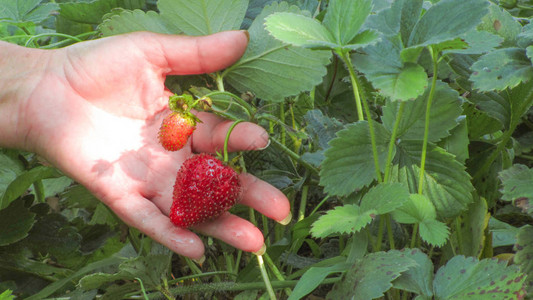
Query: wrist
point(20, 71)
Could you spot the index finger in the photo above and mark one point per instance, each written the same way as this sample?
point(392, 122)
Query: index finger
point(185, 55)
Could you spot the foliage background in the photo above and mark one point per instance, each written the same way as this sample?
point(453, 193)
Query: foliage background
point(404, 144)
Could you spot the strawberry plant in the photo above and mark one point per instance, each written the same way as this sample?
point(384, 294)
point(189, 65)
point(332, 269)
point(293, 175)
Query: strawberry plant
point(401, 131)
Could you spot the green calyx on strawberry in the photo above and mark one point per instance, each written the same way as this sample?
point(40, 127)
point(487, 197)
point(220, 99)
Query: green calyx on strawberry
point(205, 188)
point(178, 126)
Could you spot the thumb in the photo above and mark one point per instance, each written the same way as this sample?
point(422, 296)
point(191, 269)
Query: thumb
point(184, 55)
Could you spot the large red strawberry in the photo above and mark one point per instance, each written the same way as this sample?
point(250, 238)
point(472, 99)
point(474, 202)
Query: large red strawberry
point(205, 188)
point(176, 129)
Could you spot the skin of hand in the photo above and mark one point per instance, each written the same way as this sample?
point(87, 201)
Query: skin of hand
point(93, 110)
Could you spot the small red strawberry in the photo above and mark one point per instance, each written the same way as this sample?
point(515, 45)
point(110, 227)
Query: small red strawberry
point(176, 129)
point(205, 188)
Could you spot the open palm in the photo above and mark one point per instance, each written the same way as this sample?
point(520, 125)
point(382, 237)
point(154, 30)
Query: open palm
point(95, 114)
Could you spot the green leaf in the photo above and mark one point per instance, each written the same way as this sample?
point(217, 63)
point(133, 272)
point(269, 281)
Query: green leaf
point(137, 20)
point(500, 22)
point(417, 209)
point(150, 269)
point(501, 69)
point(7, 295)
point(525, 38)
point(434, 232)
point(349, 163)
point(361, 39)
point(341, 220)
point(524, 253)
point(273, 70)
point(299, 30)
point(19, 186)
point(321, 127)
point(382, 65)
point(494, 105)
point(476, 42)
point(25, 11)
point(15, 221)
point(470, 235)
point(446, 183)
point(345, 18)
point(446, 20)
point(312, 278)
point(516, 182)
point(521, 100)
point(92, 12)
point(10, 168)
point(503, 234)
point(371, 277)
point(54, 186)
point(479, 122)
point(469, 278)
point(203, 17)
point(52, 234)
point(385, 198)
point(517, 186)
point(381, 199)
point(417, 279)
point(445, 109)
point(90, 268)
point(457, 142)
point(387, 21)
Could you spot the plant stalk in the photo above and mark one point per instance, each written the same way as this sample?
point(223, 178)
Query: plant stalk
point(264, 274)
point(226, 140)
point(392, 141)
point(426, 125)
point(360, 98)
point(355, 84)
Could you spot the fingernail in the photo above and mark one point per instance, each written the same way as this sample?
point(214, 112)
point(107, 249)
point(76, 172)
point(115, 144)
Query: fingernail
point(199, 261)
point(261, 251)
point(247, 34)
point(263, 148)
point(287, 219)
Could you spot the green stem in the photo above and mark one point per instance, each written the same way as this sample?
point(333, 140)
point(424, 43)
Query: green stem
point(360, 98)
point(293, 155)
point(67, 36)
point(60, 43)
point(192, 265)
point(303, 203)
point(392, 141)
point(206, 274)
point(389, 231)
point(319, 205)
point(241, 286)
point(276, 271)
point(414, 235)
point(220, 81)
point(355, 85)
point(379, 239)
point(227, 139)
point(459, 235)
point(39, 191)
point(243, 104)
point(283, 134)
point(426, 125)
point(143, 290)
point(264, 274)
point(237, 262)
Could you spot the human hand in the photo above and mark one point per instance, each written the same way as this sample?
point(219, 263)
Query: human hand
point(95, 111)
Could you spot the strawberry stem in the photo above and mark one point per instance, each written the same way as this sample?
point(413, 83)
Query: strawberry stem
point(226, 141)
point(239, 101)
point(264, 273)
